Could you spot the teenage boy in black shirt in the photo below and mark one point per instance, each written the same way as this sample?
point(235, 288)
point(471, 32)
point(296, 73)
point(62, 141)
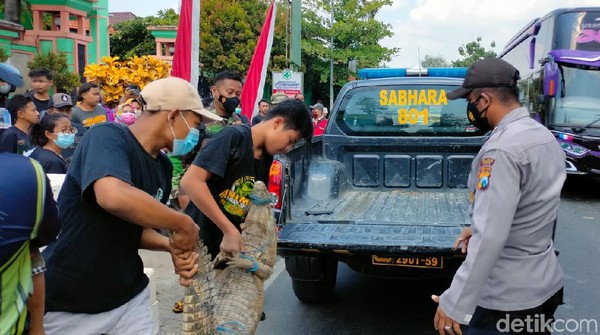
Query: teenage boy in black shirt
point(24, 114)
point(41, 81)
point(223, 174)
point(109, 204)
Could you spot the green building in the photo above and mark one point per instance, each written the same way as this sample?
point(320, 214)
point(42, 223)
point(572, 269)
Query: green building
point(78, 28)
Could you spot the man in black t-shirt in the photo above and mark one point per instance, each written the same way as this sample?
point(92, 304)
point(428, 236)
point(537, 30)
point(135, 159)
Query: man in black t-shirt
point(24, 114)
point(223, 174)
point(263, 109)
point(41, 81)
point(110, 205)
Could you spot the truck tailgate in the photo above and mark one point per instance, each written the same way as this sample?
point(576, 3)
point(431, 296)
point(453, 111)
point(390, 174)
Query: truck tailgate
point(372, 221)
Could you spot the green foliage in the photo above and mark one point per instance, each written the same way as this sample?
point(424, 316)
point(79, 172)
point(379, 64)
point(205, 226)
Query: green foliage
point(167, 17)
point(472, 52)
point(356, 36)
point(434, 61)
point(3, 55)
point(229, 31)
point(132, 38)
point(64, 80)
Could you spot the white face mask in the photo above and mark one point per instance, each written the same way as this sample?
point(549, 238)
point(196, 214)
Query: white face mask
point(5, 88)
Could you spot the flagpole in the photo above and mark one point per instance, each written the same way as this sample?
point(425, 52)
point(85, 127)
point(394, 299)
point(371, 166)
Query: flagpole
point(195, 43)
point(331, 62)
point(254, 84)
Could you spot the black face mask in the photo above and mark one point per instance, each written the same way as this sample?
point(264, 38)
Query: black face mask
point(229, 104)
point(475, 117)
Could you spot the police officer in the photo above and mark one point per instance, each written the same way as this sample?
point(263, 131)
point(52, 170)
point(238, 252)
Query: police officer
point(511, 271)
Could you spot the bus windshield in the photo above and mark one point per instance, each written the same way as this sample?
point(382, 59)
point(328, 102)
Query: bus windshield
point(578, 103)
point(579, 31)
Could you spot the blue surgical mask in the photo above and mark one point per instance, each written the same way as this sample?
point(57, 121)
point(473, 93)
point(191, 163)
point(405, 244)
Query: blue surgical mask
point(182, 147)
point(64, 141)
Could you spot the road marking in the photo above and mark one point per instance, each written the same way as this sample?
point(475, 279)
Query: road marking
point(277, 270)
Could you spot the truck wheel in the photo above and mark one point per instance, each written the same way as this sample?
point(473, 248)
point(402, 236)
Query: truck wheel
point(317, 291)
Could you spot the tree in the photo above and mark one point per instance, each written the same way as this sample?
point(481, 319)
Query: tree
point(64, 79)
point(472, 52)
point(434, 61)
point(356, 35)
point(132, 38)
point(3, 55)
point(229, 31)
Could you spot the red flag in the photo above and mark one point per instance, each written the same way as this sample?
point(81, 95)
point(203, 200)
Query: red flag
point(185, 60)
point(257, 73)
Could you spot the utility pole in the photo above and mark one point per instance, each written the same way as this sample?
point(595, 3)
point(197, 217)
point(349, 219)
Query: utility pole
point(296, 52)
point(331, 60)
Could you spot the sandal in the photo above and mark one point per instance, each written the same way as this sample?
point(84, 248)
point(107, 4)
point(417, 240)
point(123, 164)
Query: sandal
point(178, 307)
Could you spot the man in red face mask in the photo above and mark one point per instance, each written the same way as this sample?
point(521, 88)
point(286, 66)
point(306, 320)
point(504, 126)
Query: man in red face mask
point(319, 120)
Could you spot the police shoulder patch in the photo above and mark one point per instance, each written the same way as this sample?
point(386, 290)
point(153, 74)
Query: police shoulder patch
point(485, 172)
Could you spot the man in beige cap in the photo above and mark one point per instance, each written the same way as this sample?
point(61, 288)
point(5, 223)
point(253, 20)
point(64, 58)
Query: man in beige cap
point(278, 97)
point(110, 203)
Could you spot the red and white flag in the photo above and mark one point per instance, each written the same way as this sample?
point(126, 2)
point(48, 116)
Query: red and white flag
point(254, 85)
point(185, 60)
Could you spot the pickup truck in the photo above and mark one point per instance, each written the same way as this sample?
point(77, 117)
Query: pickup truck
point(384, 189)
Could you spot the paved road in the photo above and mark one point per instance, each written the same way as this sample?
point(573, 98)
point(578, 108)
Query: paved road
point(365, 305)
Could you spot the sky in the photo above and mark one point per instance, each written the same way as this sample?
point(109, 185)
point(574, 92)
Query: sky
point(428, 27)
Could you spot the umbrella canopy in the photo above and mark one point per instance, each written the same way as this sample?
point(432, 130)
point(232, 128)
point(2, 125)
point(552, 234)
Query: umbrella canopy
point(11, 75)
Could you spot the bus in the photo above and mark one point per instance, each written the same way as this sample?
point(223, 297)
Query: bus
point(558, 57)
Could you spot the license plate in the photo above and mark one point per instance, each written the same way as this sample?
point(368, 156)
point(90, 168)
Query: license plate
point(434, 262)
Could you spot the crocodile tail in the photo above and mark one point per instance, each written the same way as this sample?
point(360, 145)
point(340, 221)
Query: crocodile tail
point(199, 298)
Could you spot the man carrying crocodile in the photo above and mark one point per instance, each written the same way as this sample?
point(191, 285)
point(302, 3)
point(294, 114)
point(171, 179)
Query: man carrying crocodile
point(109, 206)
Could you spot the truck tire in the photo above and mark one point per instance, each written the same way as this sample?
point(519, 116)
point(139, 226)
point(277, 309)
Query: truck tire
point(320, 290)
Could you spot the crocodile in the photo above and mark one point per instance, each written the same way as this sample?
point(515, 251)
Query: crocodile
point(230, 300)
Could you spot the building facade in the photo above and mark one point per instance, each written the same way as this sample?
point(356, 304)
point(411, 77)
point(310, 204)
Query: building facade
point(78, 28)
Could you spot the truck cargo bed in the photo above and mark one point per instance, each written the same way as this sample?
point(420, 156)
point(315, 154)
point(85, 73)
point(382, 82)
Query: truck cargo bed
point(393, 207)
point(371, 221)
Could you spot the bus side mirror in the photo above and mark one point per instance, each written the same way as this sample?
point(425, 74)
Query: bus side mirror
point(550, 79)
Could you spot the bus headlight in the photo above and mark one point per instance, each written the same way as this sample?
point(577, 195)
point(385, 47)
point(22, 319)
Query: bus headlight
point(573, 149)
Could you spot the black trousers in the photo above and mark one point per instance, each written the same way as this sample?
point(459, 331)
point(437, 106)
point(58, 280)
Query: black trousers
point(533, 321)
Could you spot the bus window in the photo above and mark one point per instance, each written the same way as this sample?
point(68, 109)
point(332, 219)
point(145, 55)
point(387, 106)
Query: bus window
point(579, 100)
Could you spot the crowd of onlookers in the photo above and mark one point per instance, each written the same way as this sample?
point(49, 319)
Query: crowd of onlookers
point(45, 130)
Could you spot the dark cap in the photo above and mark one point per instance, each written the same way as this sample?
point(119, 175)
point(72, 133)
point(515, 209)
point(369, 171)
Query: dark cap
point(318, 106)
point(489, 72)
point(60, 100)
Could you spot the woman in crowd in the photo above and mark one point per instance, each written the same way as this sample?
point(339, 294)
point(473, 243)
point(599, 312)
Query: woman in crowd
point(53, 134)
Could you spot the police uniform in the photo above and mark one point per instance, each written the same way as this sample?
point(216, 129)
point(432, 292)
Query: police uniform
point(515, 184)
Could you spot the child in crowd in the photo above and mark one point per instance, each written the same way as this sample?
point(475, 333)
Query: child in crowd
point(220, 178)
point(53, 134)
point(24, 114)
